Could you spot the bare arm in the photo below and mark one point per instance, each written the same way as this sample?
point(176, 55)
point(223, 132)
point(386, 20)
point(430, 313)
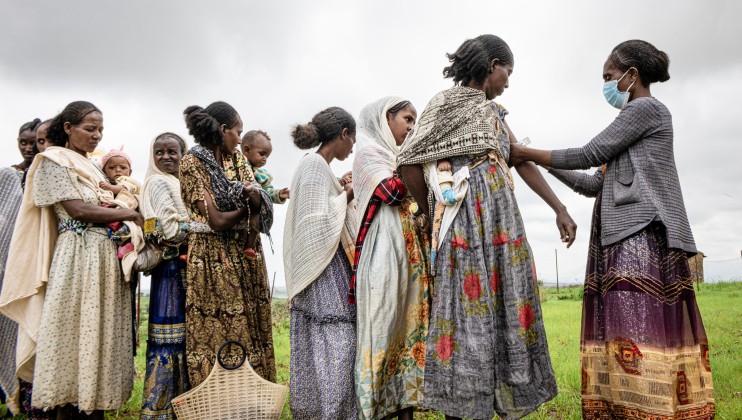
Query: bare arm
point(349, 191)
point(536, 182)
point(414, 180)
point(218, 220)
point(90, 213)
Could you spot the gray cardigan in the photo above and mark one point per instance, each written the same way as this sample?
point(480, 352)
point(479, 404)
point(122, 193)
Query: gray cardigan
point(641, 182)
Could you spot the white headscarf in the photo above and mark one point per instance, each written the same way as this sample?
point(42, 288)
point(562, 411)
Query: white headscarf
point(149, 200)
point(376, 151)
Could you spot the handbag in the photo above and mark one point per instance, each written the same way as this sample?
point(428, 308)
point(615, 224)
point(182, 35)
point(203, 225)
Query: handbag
point(148, 258)
point(232, 392)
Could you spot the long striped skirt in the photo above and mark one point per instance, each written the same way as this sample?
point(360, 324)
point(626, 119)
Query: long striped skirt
point(644, 351)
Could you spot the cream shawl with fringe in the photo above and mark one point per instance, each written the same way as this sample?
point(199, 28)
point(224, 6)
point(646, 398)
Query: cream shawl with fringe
point(32, 250)
point(318, 219)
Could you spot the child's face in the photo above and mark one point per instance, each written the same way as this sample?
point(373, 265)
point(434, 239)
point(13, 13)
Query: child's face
point(116, 167)
point(258, 153)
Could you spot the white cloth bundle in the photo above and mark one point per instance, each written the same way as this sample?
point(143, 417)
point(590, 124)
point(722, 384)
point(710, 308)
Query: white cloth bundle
point(460, 185)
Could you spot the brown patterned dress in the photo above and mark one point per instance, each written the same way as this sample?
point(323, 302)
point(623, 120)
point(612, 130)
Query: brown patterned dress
point(227, 296)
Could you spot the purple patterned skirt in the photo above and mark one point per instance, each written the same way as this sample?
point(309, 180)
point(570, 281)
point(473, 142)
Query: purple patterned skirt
point(644, 351)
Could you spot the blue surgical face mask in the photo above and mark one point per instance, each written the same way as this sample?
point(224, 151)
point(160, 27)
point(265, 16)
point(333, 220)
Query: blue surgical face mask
point(614, 96)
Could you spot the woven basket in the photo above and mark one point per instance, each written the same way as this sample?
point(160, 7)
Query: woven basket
point(232, 392)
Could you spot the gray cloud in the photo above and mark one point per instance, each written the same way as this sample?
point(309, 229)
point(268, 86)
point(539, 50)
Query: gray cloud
point(280, 62)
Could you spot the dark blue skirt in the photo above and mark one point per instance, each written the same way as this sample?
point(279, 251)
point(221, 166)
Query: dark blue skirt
point(167, 372)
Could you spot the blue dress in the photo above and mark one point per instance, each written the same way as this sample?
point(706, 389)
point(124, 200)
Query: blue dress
point(167, 372)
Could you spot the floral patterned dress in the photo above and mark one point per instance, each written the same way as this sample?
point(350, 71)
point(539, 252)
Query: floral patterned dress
point(393, 300)
point(227, 295)
point(487, 350)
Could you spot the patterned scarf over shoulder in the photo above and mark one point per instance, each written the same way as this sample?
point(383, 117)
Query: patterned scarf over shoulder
point(227, 194)
point(458, 121)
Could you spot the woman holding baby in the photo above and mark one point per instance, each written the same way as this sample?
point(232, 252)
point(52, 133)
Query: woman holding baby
point(69, 296)
point(227, 295)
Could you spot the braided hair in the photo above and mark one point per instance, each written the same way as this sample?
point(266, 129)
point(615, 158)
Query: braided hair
point(73, 113)
point(203, 124)
point(31, 125)
point(472, 60)
point(324, 127)
point(652, 63)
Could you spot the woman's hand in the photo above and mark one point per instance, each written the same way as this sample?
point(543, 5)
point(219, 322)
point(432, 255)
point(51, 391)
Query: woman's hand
point(283, 194)
point(422, 221)
point(346, 179)
point(247, 189)
point(136, 217)
point(349, 191)
point(567, 226)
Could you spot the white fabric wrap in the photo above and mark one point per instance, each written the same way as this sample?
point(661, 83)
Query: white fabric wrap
point(376, 151)
point(318, 219)
point(161, 198)
point(460, 185)
point(384, 252)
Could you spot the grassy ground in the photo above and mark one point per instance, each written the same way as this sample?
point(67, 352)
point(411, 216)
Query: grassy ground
point(721, 308)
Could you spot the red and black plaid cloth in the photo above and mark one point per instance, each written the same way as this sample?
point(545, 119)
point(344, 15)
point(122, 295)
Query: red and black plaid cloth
point(391, 191)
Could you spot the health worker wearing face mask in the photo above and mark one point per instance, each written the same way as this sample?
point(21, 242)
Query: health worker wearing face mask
point(641, 328)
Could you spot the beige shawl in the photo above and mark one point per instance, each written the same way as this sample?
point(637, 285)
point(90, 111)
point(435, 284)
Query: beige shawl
point(318, 219)
point(458, 121)
point(31, 252)
point(155, 204)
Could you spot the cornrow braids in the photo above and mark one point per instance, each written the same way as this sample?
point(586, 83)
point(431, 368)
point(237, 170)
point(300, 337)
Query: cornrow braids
point(325, 126)
point(651, 63)
point(31, 125)
point(204, 124)
point(472, 60)
point(73, 113)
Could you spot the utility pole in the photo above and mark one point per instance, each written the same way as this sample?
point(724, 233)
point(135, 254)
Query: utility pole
point(273, 285)
point(556, 262)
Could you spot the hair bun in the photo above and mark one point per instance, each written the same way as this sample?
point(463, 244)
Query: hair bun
point(306, 136)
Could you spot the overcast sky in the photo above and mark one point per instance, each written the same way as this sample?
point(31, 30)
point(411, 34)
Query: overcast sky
point(280, 62)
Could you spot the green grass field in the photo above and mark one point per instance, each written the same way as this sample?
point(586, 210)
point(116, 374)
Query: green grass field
point(721, 308)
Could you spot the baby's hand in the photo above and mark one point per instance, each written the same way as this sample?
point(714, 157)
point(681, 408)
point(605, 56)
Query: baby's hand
point(105, 185)
point(346, 179)
point(444, 165)
point(115, 189)
point(283, 194)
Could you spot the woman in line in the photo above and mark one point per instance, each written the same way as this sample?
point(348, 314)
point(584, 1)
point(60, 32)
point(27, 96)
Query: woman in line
point(317, 254)
point(226, 293)
point(41, 141)
point(166, 224)
point(643, 344)
point(11, 193)
point(83, 342)
point(391, 276)
point(487, 350)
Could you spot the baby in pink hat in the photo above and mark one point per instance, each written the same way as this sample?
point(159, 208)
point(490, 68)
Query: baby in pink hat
point(116, 164)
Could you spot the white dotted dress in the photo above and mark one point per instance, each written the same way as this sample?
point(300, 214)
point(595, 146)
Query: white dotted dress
point(84, 352)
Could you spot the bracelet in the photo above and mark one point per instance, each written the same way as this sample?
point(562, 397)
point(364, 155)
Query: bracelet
point(415, 209)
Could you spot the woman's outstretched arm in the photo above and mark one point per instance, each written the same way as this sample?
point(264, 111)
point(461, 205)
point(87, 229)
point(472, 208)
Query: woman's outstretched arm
point(535, 180)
